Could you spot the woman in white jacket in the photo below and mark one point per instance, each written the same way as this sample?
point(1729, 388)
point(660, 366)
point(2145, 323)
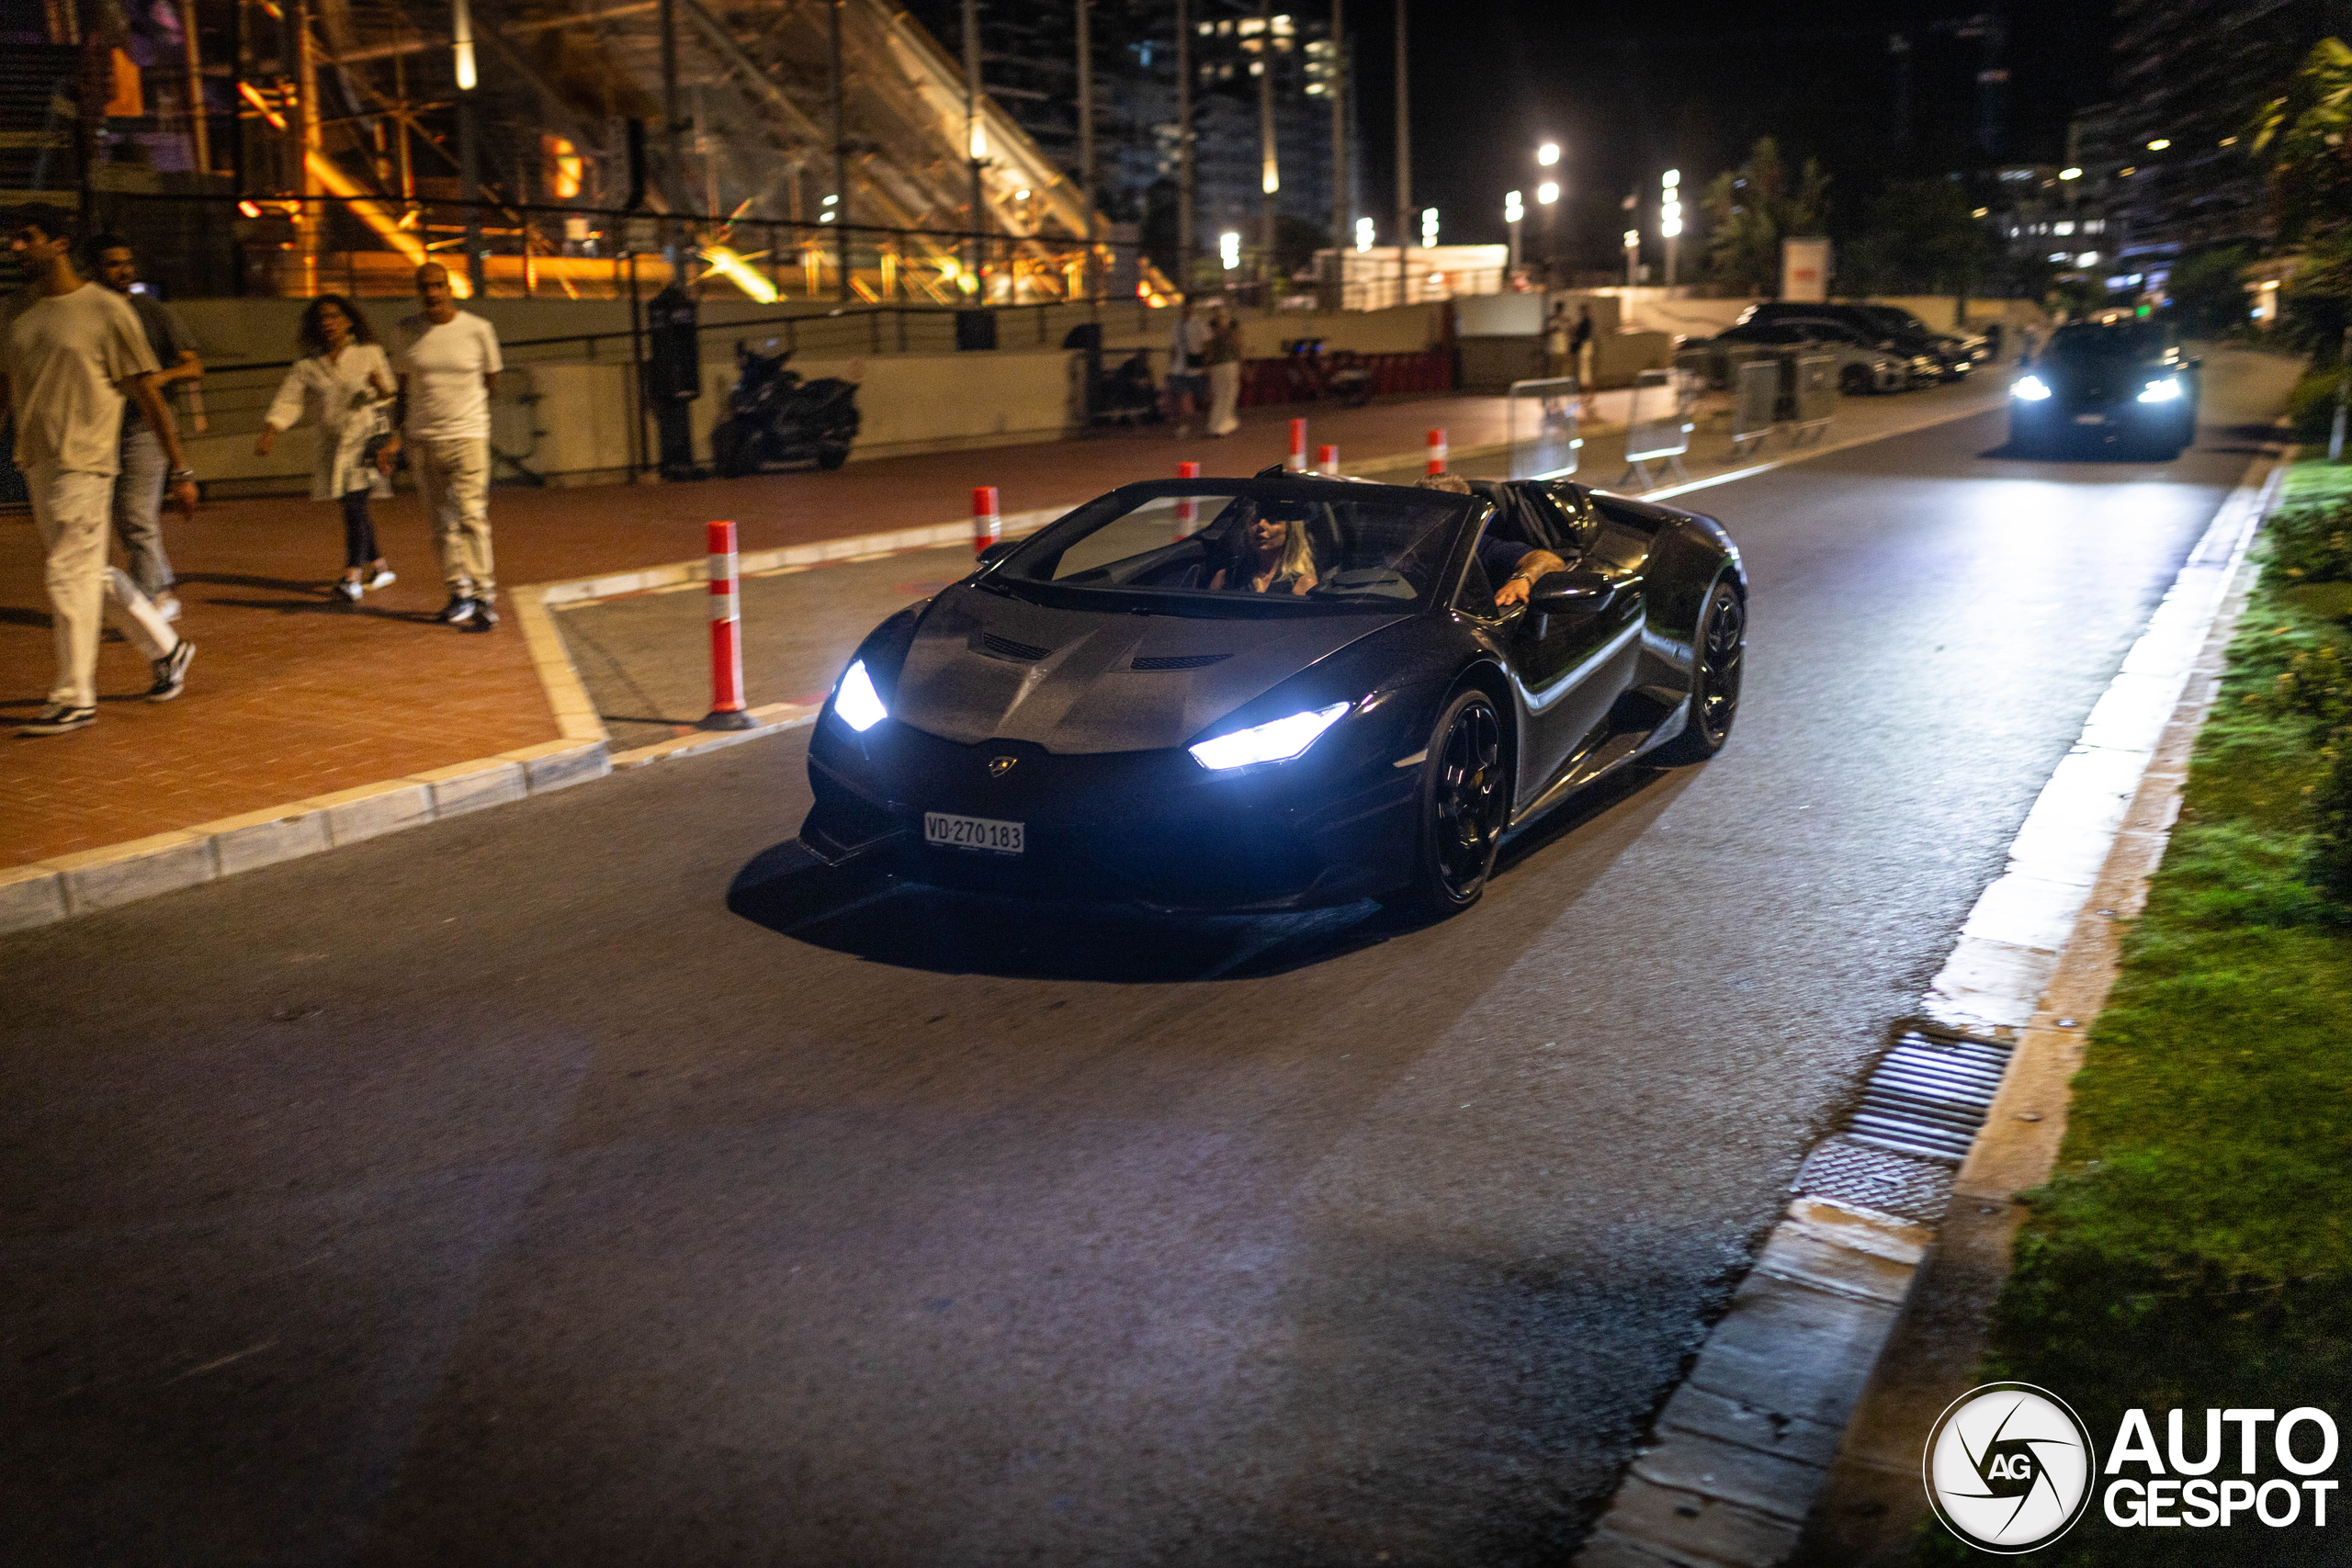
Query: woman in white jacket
point(346, 380)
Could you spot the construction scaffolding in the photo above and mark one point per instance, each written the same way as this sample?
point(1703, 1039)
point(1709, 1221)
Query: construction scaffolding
point(820, 149)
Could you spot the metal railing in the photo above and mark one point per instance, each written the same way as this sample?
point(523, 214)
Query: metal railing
point(1659, 423)
point(1552, 448)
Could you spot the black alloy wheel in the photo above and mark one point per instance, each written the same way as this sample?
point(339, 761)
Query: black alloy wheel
point(1719, 657)
point(1466, 802)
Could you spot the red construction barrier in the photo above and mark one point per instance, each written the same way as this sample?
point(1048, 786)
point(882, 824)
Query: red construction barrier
point(1437, 451)
point(1187, 511)
point(726, 708)
point(1327, 460)
point(1297, 463)
point(986, 527)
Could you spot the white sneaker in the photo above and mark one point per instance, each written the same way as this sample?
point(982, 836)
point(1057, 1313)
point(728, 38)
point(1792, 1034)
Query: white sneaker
point(349, 590)
point(167, 604)
point(384, 579)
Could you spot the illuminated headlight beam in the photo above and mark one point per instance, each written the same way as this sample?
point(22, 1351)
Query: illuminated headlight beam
point(2032, 389)
point(855, 702)
point(2162, 391)
point(1276, 742)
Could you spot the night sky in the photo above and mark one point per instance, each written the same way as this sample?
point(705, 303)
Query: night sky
point(1632, 89)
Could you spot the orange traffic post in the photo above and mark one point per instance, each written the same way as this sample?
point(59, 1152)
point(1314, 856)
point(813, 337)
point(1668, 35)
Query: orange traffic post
point(726, 707)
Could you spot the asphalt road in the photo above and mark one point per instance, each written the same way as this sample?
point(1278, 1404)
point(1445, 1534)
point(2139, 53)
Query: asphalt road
point(497, 1194)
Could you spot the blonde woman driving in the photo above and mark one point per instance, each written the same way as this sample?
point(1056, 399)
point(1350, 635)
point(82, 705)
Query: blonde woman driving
point(1269, 556)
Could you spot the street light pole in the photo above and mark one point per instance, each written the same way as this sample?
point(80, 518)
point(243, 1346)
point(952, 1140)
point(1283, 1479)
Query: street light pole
point(1512, 212)
point(1403, 161)
point(1183, 149)
point(1633, 253)
point(1270, 177)
point(1085, 145)
point(1335, 82)
point(1547, 197)
point(975, 148)
point(841, 153)
point(1670, 217)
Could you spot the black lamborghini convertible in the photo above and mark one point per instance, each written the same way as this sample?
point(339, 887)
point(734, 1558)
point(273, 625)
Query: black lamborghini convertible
point(1130, 706)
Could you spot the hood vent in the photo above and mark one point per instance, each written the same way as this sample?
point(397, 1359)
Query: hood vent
point(1005, 648)
point(1179, 660)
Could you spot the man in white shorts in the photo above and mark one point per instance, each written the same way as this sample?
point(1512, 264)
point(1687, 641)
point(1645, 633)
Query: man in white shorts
point(71, 352)
point(447, 363)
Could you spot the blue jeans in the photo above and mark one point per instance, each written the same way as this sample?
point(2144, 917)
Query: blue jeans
point(139, 509)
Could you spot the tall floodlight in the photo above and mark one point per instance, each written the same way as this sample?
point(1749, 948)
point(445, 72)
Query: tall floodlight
point(1428, 228)
point(1670, 217)
point(1513, 210)
point(1270, 173)
point(975, 146)
point(1403, 160)
point(1183, 147)
point(1633, 254)
point(1335, 83)
point(1547, 197)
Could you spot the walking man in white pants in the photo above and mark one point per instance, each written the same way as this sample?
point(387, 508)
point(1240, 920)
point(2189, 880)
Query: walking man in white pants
point(69, 355)
point(447, 363)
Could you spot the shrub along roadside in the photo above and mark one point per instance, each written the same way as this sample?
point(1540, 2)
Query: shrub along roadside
point(2194, 1248)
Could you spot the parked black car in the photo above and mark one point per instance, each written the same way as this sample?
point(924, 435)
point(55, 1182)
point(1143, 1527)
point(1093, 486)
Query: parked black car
point(1098, 714)
point(777, 419)
point(2121, 384)
point(1891, 326)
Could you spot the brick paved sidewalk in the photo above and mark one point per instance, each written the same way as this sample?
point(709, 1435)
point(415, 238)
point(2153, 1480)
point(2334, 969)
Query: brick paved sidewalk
point(294, 695)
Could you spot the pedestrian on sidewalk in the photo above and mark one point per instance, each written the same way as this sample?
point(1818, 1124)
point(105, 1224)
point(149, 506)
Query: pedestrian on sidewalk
point(1188, 341)
point(1581, 343)
point(1559, 356)
point(70, 351)
point(138, 508)
point(447, 363)
point(346, 380)
point(1223, 357)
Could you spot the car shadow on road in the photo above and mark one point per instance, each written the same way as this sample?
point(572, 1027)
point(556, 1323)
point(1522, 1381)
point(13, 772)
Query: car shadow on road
point(869, 914)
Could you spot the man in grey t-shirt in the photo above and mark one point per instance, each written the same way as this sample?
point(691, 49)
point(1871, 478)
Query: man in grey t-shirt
point(139, 489)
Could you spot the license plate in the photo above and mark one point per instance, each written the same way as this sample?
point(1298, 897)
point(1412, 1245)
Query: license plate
point(2090, 418)
point(983, 833)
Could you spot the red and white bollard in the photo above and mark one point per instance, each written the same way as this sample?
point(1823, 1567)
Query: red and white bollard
point(1437, 451)
point(1327, 460)
point(987, 526)
point(727, 709)
point(1187, 511)
point(1297, 464)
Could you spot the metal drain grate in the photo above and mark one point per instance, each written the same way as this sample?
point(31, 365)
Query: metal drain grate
point(1928, 1096)
point(1901, 1147)
point(1875, 1179)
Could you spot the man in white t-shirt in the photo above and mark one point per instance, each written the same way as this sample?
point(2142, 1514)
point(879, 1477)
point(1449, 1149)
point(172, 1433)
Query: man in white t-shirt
point(447, 363)
point(70, 352)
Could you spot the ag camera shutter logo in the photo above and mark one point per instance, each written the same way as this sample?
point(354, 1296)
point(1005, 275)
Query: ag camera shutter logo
point(2009, 1468)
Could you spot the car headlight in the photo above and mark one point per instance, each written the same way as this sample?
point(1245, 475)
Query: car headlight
point(1277, 740)
point(855, 702)
point(2032, 389)
point(2163, 392)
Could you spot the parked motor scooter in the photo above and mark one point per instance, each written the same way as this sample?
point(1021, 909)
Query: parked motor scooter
point(777, 419)
point(1349, 380)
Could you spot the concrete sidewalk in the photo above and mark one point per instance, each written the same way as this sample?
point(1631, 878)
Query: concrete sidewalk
point(307, 721)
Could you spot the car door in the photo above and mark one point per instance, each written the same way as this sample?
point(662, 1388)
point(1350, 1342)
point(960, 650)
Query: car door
point(1566, 671)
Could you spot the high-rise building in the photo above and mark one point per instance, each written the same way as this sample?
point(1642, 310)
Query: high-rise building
point(2187, 76)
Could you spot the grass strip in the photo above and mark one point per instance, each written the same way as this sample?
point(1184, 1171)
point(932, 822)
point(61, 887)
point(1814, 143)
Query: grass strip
point(2193, 1247)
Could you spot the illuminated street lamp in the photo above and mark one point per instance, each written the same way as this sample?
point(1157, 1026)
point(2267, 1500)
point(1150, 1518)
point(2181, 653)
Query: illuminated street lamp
point(1512, 212)
point(1363, 234)
point(1428, 228)
point(1228, 250)
point(1670, 217)
point(1633, 253)
point(1547, 197)
point(1548, 154)
point(2070, 173)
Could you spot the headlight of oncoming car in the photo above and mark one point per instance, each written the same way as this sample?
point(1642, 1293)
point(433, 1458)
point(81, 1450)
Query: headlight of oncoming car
point(2162, 391)
point(855, 702)
point(1277, 740)
point(2032, 389)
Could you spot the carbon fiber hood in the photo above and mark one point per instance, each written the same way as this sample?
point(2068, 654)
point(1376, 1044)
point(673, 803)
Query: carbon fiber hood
point(984, 667)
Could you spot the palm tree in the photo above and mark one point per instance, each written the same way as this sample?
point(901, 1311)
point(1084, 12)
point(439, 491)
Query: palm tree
point(2300, 141)
point(1752, 208)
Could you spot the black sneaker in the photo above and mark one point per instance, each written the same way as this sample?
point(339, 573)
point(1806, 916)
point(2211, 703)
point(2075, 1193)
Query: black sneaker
point(485, 616)
point(459, 610)
point(171, 672)
point(57, 719)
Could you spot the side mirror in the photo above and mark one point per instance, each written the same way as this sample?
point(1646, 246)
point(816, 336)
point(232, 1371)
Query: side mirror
point(996, 552)
point(1573, 593)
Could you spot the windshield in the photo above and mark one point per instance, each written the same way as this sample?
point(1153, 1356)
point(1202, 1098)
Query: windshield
point(1226, 550)
point(2110, 340)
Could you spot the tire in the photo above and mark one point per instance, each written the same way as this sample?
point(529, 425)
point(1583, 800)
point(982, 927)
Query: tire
point(727, 454)
point(831, 456)
point(1719, 662)
point(1464, 805)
